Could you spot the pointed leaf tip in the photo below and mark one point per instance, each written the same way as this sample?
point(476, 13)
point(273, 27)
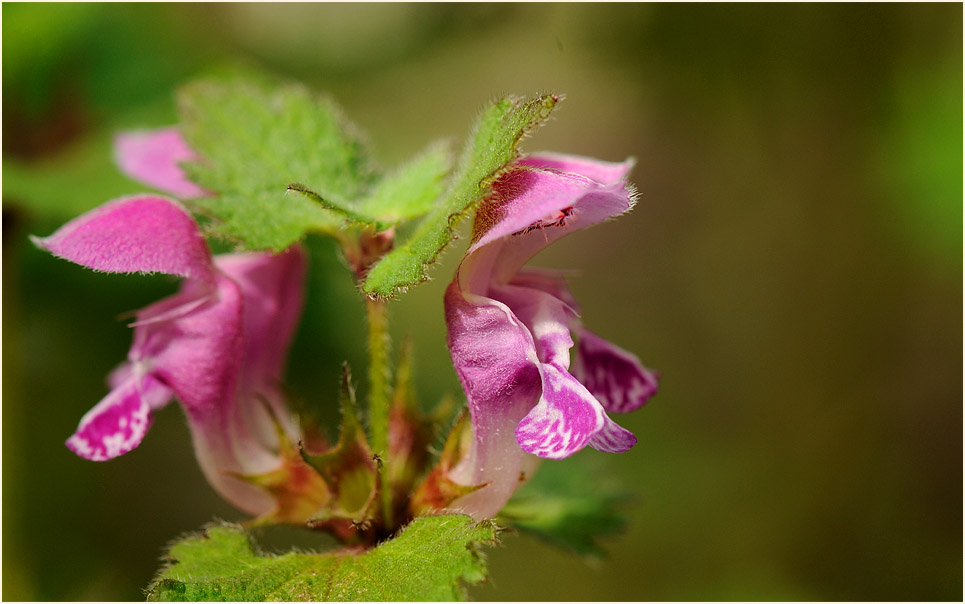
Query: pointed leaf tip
point(493, 145)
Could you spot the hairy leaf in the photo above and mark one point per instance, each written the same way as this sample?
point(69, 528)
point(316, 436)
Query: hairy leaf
point(254, 141)
point(429, 560)
point(492, 146)
point(410, 191)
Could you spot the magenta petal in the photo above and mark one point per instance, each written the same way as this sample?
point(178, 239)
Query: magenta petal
point(118, 423)
point(564, 420)
point(272, 286)
point(613, 438)
point(134, 235)
point(531, 208)
point(546, 317)
point(495, 359)
point(198, 354)
point(510, 328)
point(603, 172)
point(525, 198)
point(550, 281)
point(152, 157)
point(613, 375)
point(548, 194)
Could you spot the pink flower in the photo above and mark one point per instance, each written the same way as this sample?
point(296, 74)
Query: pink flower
point(152, 157)
point(218, 345)
point(511, 329)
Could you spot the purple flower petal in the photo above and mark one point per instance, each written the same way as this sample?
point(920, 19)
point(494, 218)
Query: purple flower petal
point(495, 359)
point(152, 157)
point(550, 281)
point(202, 355)
point(525, 201)
point(272, 288)
point(197, 354)
point(218, 344)
point(118, 423)
point(602, 172)
point(545, 316)
point(271, 285)
point(615, 377)
point(564, 420)
point(141, 234)
point(613, 438)
point(531, 208)
point(510, 327)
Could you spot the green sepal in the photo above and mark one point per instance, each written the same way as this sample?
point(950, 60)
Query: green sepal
point(298, 490)
point(350, 469)
point(492, 146)
point(430, 560)
point(437, 491)
point(411, 431)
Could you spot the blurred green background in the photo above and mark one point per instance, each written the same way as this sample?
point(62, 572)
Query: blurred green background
point(792, 269)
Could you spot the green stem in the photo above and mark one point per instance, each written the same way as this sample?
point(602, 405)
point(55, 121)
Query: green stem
point(379, 371)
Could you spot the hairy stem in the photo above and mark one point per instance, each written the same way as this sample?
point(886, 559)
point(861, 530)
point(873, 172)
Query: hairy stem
point(379, 375)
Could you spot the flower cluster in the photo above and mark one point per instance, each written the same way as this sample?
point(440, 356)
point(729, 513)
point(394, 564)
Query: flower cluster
point(219, 344)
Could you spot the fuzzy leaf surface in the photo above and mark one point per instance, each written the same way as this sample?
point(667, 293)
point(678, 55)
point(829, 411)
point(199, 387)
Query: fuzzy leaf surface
point(429, 560)
point(410, 191)
point(492, 146)
point(255, 140)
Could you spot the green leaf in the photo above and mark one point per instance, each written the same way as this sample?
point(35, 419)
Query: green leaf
point(255, 140)
point(346, 211)
point(492, 146)
point(410, 191)
point(569, 507)
point(429, 560)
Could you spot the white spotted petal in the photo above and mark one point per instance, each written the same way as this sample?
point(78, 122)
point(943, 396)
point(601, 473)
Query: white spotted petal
point(564, 421)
